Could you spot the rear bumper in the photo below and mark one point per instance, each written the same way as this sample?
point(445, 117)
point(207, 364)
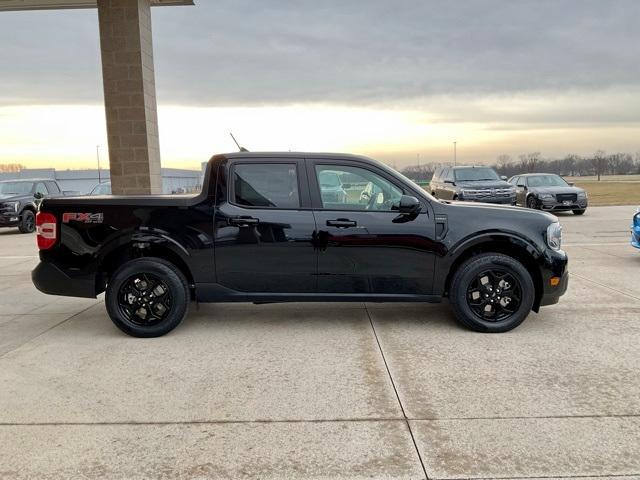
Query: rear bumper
point(51, 280)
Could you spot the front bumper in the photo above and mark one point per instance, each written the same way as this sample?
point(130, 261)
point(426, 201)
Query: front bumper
point(50, 279)
point(511, 200)
point(556, 266)
point(553, 205)
point(635, 232)
point(9, 220)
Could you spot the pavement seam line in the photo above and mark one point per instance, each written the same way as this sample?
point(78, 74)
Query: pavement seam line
point(605, 286)
point(303, 420)
point(48, 329)
point(395, 389)
point(554, 477)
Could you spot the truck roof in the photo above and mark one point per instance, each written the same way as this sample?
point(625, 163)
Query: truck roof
point(257, 155)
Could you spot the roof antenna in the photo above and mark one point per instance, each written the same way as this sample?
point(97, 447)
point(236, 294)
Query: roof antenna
point(242, 149)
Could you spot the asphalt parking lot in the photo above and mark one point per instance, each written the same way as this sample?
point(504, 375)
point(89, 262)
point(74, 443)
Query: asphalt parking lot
point(328, 390)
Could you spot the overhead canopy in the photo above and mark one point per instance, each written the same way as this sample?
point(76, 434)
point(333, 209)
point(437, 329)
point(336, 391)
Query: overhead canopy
point(55, 4)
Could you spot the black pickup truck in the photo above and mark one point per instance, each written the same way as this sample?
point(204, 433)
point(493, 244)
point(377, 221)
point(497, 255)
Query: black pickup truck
point(19, 201)
point(268, 227)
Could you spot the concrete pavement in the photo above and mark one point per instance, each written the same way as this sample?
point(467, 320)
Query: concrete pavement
point(327, 390)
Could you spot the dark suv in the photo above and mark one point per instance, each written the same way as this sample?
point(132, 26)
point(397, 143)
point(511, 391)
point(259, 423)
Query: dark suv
point(19, 201)
point(472, 184)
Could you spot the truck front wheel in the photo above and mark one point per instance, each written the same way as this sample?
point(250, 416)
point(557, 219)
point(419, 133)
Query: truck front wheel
point(491, 293)
point(27, 222)
point(147, 297)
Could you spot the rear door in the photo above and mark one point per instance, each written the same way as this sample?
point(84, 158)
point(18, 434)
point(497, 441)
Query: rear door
point(264, 228)
point(362, 246)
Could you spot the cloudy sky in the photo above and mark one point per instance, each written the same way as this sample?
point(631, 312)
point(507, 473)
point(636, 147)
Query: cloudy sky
point(393, 79)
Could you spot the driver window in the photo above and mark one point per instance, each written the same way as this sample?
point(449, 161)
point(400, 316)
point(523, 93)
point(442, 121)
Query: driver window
point(41, 189)
point(354, 188)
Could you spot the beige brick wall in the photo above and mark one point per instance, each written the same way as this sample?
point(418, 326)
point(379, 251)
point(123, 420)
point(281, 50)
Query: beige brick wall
point(130, 96)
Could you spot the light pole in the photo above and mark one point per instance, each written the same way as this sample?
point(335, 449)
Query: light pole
point(455, 153)
point(98, 158)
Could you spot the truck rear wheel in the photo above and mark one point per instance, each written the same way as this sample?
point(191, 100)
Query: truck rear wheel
point(147, 297)
point(491, 293)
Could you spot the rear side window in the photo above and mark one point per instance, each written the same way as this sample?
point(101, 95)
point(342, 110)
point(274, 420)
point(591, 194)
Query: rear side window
point(514, 181)
point(53, 187)
point(266, 185)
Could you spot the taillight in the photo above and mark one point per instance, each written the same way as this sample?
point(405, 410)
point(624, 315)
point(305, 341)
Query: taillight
point(46, 229)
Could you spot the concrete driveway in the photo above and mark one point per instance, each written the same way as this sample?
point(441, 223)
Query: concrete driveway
point(328, 390)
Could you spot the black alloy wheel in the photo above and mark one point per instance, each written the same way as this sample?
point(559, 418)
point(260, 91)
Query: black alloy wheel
point(27, 222)
point(144, 299)
point(147, 297)
point(494, 295)
point(532, 202)
point(491, 292)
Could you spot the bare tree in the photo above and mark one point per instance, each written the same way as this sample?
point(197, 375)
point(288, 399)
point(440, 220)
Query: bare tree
point(11, 167)
point(599, 163)
point(529, 162)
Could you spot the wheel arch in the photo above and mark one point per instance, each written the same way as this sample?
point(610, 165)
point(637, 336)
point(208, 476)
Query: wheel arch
point(505, 244)
point(140, 245)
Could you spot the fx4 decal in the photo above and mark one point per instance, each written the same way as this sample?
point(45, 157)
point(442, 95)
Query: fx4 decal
point(82, 217)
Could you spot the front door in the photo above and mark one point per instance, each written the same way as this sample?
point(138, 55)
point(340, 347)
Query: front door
point(264, 229)
point(364, 246)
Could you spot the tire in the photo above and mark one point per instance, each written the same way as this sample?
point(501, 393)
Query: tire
point(579, 212)
point(27, 222)
point(147, 297)
point(506, 314)
point(532, 202)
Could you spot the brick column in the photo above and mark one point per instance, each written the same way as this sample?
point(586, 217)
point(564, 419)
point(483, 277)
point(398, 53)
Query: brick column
point(130, 96)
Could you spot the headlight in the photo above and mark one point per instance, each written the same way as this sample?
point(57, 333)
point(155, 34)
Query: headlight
point(582, 194)
point(546, 196)
point(554, 236)
point(13, 205)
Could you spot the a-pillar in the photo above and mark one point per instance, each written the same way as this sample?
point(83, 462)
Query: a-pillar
point(130, 96)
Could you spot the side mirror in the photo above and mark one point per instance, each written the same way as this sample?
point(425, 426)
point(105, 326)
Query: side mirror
point(503, 177)
point(38, 196)
point(409, 205)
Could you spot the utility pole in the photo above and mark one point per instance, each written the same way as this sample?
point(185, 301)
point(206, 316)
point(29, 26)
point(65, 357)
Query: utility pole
point(98, 158)
point(455, 153)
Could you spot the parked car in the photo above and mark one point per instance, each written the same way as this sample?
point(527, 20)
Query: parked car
point(103, 188)
point(19, 200)
point(472, 184)
point(261, 231)
point(635, 229)
point(547, 191)
point(332, 188)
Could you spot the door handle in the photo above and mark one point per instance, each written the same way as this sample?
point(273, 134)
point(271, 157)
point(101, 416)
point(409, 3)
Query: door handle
point(243, 221)
point(342, 223)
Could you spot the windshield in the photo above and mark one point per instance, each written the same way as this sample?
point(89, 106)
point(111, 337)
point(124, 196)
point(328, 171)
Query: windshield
point(475, 174)
point(329, 179)
point(15, 187)
point(547, 181)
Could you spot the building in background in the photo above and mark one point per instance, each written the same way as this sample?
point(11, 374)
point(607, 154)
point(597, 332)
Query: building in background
point(174, 180)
